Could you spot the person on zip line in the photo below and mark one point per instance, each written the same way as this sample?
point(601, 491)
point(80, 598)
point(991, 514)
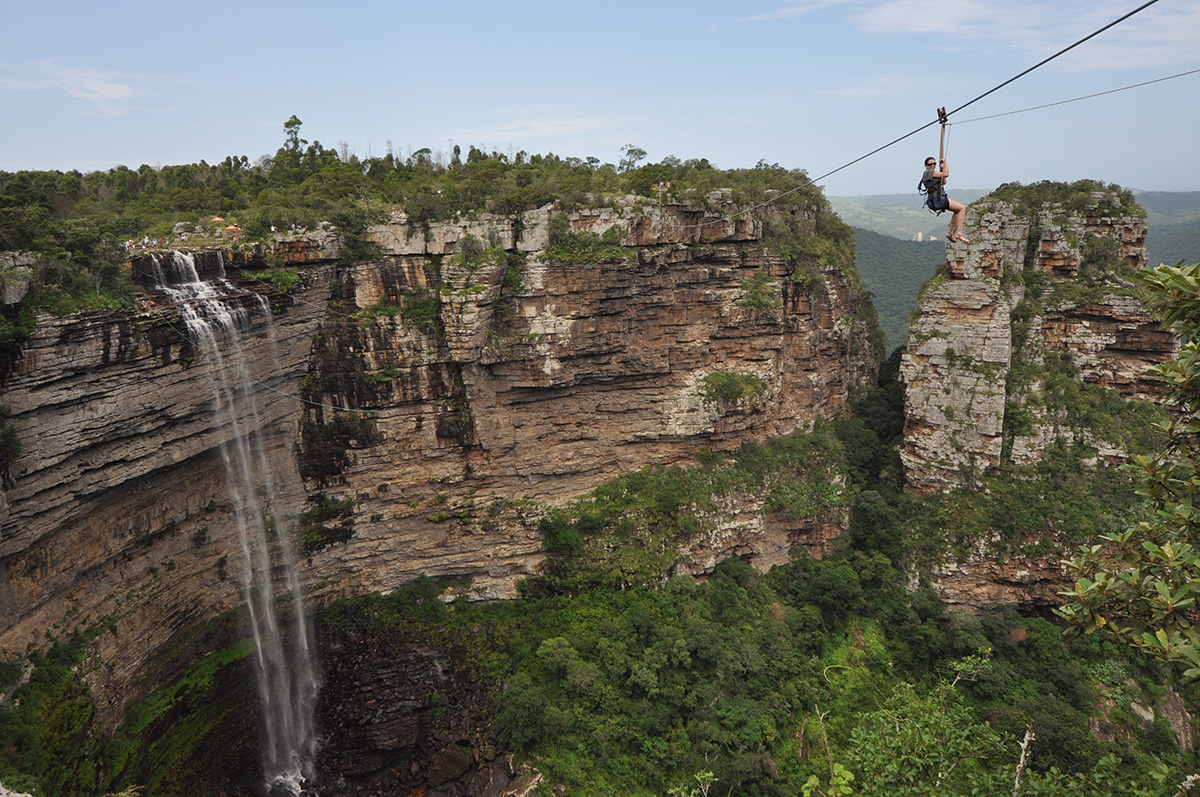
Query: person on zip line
point(934, 182)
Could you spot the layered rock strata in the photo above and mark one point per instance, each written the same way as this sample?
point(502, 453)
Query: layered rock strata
point(958, 357)
point(119, 511)
point(983, 345)
point(961, 345)
point(539, 389)
point(431, 403)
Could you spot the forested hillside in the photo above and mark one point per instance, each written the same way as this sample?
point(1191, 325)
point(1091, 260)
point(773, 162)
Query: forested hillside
point(1168, 208)
point(898, 215)
point(1171, 243)
point(894, 271)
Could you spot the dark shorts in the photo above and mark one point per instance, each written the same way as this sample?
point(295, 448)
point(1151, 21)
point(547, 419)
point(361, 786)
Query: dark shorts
point(937, 201)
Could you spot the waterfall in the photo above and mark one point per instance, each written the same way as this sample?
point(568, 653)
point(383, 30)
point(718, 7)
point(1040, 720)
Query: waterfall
point(214, 314)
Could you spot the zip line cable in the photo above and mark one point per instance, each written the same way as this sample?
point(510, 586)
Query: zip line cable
point(1064, 50)
point(892, 143)
point(1077, 99)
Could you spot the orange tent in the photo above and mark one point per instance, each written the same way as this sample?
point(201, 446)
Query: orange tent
point(232, 227)
point(218, 218)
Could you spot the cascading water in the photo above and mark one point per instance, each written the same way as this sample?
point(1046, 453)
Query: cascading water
point(215, 315)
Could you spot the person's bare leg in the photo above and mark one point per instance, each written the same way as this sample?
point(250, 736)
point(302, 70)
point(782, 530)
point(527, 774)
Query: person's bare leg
point(956, 221)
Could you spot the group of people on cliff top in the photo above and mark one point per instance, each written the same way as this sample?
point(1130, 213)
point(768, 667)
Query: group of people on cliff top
point(146, 243)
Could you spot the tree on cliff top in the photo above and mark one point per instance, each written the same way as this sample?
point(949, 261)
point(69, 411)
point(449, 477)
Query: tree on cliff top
point(1141, 585)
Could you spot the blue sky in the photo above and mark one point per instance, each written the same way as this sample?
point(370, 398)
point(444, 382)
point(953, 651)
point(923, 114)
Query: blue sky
point(811, 84)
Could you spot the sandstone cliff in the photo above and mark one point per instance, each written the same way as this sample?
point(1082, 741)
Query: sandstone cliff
point(416, 408)
point(1032, 335)
point(571, 374)
point(119, 511)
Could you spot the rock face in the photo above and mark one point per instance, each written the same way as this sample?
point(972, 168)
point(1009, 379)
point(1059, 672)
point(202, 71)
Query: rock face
point(958, 358)
point(416, 410)
point(389, 702)
point(540, 390)
point(1033, 297)
point(16, 269)
point(956, 368)
point(118, 506)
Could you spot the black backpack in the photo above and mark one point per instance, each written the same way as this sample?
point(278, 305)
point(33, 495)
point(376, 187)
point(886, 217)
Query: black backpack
point(935, 196)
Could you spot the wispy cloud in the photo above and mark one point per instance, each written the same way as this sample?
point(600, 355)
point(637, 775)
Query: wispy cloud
point(1032, 28)
point(934, 18)
point(881, 86)
point(535, 128)
point(1158, 37)
point(103, 93)
point(795, 10)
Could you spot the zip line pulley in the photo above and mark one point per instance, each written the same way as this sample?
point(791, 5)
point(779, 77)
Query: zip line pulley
point(942, 117)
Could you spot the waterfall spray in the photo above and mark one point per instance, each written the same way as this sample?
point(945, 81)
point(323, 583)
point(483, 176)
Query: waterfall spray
point(215, 316)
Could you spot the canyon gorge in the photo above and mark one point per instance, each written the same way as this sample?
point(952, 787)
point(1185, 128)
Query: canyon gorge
point(402, 444)
point(420, 410)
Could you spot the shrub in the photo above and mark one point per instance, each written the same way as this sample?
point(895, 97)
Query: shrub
point(422, 309)
point(10, 445)
point(758, 293)
point(729, 387)
point(317, 526)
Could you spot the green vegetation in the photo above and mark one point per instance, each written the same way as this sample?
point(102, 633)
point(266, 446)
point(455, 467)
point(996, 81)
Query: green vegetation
point(1169, 208)
point(893, 267)
point(48, 740)
point(894, 271)
point(327, 521)
point(422, 309)
point(1073, 198)
point(630, 531)
point(10, 446)
point(818, 670)
point(613, 677)
point(727, 388)
point(76, 223)
point(568, 246)
point(768, 681)
point(376, 310)
point(1170, 245)
point(1046, 386)
point(324, 444)
point(760, 292)
point(814, 241)
point(1140, 584)
point(899, 216)
point(281, 280)
point(182, 733)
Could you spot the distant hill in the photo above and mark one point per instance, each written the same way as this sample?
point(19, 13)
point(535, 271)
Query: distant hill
point(894, 271)
point(898, 215)
point(1166, 208)
point(1174, 218)
point(1174, 242)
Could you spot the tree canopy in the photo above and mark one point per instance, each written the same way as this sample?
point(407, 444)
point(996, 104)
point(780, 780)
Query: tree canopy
point(1140, 585)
